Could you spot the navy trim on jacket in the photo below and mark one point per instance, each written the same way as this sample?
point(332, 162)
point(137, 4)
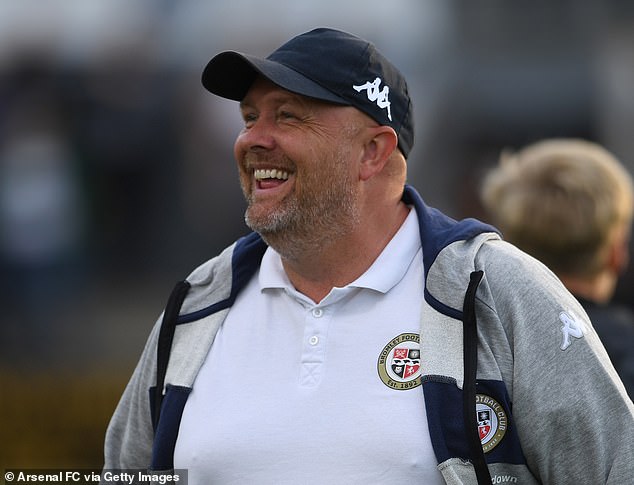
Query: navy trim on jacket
point(444, 400)
point(246, 259)
point(437, 231)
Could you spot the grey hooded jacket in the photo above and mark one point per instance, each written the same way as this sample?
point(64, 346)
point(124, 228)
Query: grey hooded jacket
point(499, 335)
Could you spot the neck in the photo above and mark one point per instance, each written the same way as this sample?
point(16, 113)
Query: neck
point(598, 289)
point(317, 270)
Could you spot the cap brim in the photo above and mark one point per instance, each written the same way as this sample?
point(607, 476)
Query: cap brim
point(231, 74)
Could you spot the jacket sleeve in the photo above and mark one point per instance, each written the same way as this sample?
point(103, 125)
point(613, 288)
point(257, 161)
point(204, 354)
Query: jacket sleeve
point(573, 416)
point(129, 437)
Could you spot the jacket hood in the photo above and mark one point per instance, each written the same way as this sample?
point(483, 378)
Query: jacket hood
point(449, 246)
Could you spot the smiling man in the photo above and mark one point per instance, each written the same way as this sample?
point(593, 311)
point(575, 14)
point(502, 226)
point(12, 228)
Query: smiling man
point(305, 197)
point(358, 336)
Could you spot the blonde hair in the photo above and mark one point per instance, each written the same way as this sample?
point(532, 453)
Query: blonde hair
point(560, 200)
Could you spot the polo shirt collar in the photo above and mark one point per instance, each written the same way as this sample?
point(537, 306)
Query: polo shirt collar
point(385, 273)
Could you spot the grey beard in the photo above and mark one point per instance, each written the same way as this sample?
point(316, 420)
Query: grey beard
point(295, 231)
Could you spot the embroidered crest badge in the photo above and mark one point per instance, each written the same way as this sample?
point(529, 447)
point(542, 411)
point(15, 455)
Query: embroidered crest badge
point(492, 421)
point(399, 362)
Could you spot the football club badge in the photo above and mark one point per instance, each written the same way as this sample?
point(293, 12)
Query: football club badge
point(492, 421)
point(484, 423)
point(399, 362)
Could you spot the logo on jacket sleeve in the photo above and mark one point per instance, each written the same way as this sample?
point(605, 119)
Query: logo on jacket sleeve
point(399, 362)
point(572, 326)
point(492, 421)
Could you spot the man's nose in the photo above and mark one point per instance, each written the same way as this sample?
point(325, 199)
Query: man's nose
point(259, 135)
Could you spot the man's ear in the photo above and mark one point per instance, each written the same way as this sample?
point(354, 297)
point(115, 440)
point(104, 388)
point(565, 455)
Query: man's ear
point(382, 141)
point(619, 255)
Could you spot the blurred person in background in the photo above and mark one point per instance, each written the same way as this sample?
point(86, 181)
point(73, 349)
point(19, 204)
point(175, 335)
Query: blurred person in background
point(41, 220)
point(358, 335)
point(569, 203)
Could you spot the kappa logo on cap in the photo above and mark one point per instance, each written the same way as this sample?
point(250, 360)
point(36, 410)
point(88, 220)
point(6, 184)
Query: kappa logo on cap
point(381, 97)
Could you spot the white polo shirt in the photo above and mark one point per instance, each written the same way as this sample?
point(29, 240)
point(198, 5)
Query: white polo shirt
point(294, 392)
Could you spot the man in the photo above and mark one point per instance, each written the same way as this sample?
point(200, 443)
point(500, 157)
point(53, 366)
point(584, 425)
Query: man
point(569, 203)
point(359, 336)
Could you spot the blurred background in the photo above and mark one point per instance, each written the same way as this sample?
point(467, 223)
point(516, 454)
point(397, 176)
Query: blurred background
point(117, 175)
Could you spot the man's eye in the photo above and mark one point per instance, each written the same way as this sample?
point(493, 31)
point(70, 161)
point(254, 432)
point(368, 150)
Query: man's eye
point(249, 118)
point(287, 115)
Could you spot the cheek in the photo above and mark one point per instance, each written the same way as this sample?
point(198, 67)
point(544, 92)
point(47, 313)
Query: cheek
point(245, 185)
point(240, 157)
point(238, 149)
point(244, 176)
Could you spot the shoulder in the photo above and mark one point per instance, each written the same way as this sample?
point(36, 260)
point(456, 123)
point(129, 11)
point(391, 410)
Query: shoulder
point(508, 267)
point(539, 315)
point(514, 280)
point(221, 277)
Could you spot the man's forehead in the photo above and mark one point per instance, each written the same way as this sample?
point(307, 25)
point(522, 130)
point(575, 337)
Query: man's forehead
point(263, 89)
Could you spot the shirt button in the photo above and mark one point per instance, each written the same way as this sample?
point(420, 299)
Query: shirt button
point(317, 312)
point(314, 340)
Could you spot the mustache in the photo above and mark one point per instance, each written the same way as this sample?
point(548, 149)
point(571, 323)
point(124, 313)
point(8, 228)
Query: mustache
point(254, 160)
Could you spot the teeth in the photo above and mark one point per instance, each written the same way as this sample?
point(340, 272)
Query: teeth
point(261, 174)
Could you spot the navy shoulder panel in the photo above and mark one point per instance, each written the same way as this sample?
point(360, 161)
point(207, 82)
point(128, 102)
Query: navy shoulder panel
point(437, 230)
point(245, 261)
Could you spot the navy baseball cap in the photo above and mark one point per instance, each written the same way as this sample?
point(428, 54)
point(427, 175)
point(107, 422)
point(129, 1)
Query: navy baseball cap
point(325, 64)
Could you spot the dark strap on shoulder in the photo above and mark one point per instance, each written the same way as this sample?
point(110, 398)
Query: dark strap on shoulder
point(166, 336)
point(470, 349)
